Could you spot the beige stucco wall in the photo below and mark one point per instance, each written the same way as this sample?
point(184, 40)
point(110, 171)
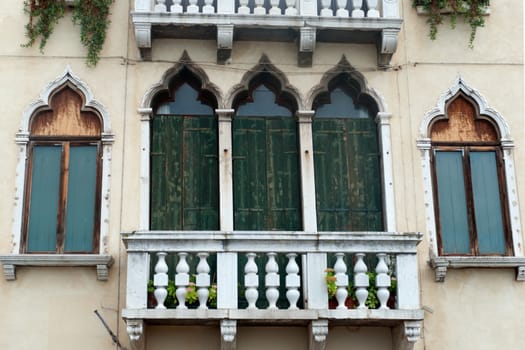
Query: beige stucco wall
point(52, 308)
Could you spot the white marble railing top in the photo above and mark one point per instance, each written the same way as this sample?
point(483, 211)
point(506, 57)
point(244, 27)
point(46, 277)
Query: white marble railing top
point(277, 241)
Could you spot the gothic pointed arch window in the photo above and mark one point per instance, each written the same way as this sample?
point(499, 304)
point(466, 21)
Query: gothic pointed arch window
point(347, 159)
point(265, 158)
point(63, 178)
point(469, 183)
point(183, 155)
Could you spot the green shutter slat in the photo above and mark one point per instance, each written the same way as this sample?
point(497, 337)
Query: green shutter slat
point(200, 174)
point(452, 202)
point(487, 203)
point(81, 196)
point(184, 178)
point(43, 202)
point(266, 184)
point(347, 174)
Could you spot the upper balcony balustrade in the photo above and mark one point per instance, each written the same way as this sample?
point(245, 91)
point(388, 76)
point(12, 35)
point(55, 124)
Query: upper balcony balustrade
point(273, 278)
point(302, 21)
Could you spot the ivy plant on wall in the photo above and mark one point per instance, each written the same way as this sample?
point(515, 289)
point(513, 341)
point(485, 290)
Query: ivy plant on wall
point(472, 11)
point(91, 15)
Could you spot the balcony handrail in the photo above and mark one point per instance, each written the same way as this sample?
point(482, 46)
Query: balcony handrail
point(278, 241)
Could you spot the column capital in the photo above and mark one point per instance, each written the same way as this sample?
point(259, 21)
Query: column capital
point(304, 116)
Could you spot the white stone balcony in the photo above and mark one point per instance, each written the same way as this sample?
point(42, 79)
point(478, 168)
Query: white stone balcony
point(253, 288)
point(302, 21)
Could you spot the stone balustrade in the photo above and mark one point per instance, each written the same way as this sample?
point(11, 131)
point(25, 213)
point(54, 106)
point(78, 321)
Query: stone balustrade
point(275, 20)
point(265, 276)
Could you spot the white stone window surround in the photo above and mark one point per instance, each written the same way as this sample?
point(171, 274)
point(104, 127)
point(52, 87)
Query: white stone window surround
point(102, 260)
point(441, 263)
point(304, 117)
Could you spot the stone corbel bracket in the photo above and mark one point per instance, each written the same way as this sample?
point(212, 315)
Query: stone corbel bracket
point(442, 263)
point(101, 262)
point(143, 38)
point(228, 334)
point(307, 39)
point(318, 330)
point(224, 43)
point(387, 46)
point(406, 335)
point(135, 329)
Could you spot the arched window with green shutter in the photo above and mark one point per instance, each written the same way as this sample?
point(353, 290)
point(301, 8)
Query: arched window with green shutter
point(265, 161)
point(346, 161)
point(184, 166)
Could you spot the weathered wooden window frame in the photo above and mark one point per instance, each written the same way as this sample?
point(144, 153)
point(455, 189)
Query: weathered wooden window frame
point(100, 259)
point(467, 177)
point(441, 263)
point(62, 195)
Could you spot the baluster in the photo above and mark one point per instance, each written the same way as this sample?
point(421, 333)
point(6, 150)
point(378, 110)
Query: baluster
point(259, 7)
point(208, 7)
point(326, 11)
point(341, 281)
point(243, 7)
point(361, 281)
point(182, 280)
point(372, 9)
point(202, 280)
point(251, 281)
point(176, 7)
point(160, 6)
point(271, 281)
point(293, 281)
point(382, 281)
point(192, 7)
point(290, 8)
point(341, 8)
point(160, 280)
point(275, 10)
point(357, 12)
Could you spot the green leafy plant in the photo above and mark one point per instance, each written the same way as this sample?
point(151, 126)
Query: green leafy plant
point(192, 297)
point(43, 15)
point(212, 297)
point(472, 11)
point(91, 15)
point(330, 280)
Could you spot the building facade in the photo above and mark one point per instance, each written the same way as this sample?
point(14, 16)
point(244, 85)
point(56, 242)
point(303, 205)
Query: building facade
point(238, 175)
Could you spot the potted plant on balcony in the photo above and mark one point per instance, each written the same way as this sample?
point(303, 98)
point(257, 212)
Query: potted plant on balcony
point(331, 288)
point(472, 11)
point(192, 299)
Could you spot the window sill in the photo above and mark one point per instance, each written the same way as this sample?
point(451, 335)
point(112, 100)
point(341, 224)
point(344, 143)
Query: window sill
point(101, 262)
point(442, 263)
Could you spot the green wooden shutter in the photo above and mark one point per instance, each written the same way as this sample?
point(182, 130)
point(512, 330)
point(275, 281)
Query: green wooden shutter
point(347, 174)
point(184, 174)
point(487, 203)
point(452, 201)
point(266, 184)
point(43, 202)
point(81, 196)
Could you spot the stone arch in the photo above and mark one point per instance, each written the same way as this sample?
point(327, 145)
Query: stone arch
point(460, 87)
point(355, 78)
point(89, 104)
point(185, 64)
point(276, 77)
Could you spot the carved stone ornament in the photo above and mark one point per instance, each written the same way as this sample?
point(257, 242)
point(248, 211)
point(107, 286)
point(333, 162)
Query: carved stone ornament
point(224, 43)
point(228, 334)
point(306, 46)
point(318, 333)
point(135, 329)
